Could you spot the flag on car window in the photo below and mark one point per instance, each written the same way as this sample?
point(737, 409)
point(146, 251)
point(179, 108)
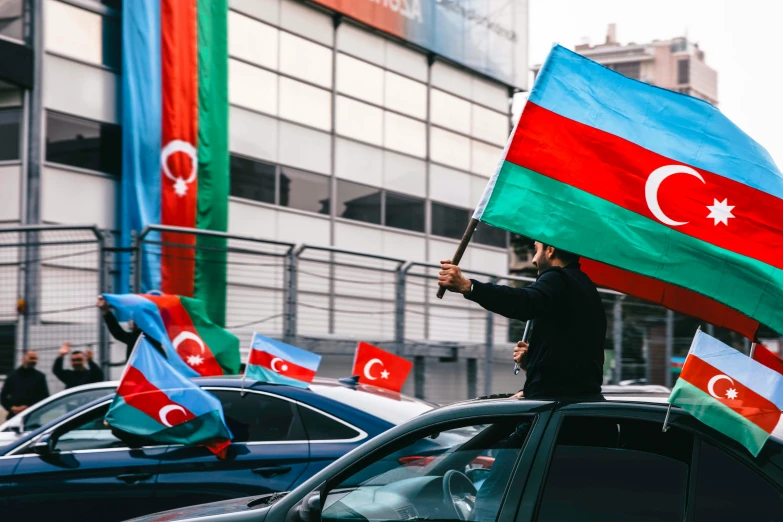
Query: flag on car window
point(279, 363)
point(181, 325)
point(156, 402)
point(730, 392)
point(378, 367)
point(769, 359)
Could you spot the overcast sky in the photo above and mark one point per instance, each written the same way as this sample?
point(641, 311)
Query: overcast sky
point(742, 40)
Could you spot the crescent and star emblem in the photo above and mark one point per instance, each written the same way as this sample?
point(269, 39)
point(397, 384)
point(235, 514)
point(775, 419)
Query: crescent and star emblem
point(283, 367)
point(172, 147)
point(720, 211)
point(368, 367)
point(164, 411)
point(731, 393)
point(193, 359)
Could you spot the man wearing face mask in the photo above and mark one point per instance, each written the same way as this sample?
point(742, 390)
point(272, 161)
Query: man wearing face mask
point(565, 356)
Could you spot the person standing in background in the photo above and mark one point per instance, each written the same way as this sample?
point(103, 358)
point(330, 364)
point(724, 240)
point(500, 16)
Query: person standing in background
point(116, 331)
point(24, 386)
point(84, 371)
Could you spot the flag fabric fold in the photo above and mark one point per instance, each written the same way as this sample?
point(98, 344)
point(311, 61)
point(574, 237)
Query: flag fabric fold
point(158, 403)
point(194, 345)
point(665, 197)
point(280, 363)
point(772, 361)
point(730, 392)
point(377, 367)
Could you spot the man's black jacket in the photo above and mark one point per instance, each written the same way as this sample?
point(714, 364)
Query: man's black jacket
point(116, 331)
point(23, 387)
point(566, 353)
point(71, 378)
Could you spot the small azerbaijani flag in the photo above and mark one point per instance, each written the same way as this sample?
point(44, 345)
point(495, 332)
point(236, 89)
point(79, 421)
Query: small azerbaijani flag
point(730, 392)
point(157, 402)
point(279, 363)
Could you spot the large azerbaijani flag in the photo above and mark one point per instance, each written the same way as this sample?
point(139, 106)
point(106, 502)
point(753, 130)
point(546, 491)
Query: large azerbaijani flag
point(665, 197)
point(730, 392)
point(175, 142)
point(194, 345)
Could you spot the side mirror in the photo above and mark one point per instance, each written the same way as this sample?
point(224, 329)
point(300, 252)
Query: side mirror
point(309, 509)
point(44, 445)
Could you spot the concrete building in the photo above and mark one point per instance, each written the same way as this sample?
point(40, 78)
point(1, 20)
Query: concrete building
point(341, 133)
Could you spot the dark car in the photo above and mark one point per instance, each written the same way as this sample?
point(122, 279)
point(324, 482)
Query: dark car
point(75, 468)
point(524, 460)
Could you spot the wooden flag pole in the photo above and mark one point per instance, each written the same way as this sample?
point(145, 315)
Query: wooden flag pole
point(463, 244)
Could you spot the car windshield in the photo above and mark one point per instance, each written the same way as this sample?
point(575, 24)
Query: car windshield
point(394, 408)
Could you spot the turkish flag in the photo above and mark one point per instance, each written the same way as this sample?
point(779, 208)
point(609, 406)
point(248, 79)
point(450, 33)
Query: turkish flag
point(768, 358)
point(380, 368)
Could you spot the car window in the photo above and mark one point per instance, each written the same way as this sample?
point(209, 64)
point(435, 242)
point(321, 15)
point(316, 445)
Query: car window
point(320, 427)
point(255, 417)
point(616, 469)
point(60, 406)
point(722, 479)
point(457, 474)
point(89, 432)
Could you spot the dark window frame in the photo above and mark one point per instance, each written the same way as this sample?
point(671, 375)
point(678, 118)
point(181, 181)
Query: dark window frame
point(296, 425)
point(683, 71)
point(113, 170)
point(19, 131)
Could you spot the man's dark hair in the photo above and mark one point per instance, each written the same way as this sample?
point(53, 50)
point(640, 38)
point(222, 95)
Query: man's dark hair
point(77, 352)
point(564, 255)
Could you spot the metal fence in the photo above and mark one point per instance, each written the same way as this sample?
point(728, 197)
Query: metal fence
point(319, 298)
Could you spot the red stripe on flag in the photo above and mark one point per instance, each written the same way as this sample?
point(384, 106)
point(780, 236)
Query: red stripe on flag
point(179, 161)
point(183, 334)
point(671, 296)
point(757, 409)
point(138, 392)
point(281, 366)
point(768, 359)
point(617, 170)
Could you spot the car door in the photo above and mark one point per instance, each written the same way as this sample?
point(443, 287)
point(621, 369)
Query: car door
point(86, 474)
point(268, 453)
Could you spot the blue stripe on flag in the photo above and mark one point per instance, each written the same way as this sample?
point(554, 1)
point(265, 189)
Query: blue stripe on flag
point(286, 352)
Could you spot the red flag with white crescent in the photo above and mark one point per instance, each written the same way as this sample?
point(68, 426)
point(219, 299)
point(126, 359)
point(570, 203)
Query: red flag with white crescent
point(380, 368)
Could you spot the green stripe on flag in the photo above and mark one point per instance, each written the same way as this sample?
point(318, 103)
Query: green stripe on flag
point(223, 344)
point(123, 416)
point(213, 165)
point(718, 416)
point(539, 207)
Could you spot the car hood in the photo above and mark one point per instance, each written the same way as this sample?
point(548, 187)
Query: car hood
point(257, 505)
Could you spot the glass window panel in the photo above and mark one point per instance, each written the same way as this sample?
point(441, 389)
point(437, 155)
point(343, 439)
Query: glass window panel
point(449, 148)
point(306, 60)
point(59, 407)
point(252, 40)
point(404, 134)
point(82, 143)
point(252, 87)
point(404, 95)
point(489, 235)
point(450, 112)
point(304, 190)
point(359, 121)
point(359, 79)
point(448, 221)
point(631, 69)
point(253, 417)
point(490, 125)
point(252, 179)
point(12, 19)
point(321, 427)
point(82, 34)
point(306, 104)
point(484, 158)
point(683, 71)
point(358, 202)
point(10, 122)
point(404, 212)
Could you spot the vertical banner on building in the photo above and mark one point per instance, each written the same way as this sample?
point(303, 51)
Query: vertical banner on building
point(175, 142)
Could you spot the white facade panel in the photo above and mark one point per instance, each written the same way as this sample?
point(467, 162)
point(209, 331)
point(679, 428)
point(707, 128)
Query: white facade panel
point(79, 89)
point(405, 135)
point(305, 59)
point(305, 104)
point(477, 186)
point(403, 246)
point(300, 19)
point(293, 227)
point(406, 61)
point(360, 43)
point(268, 10)
point(404, 174)
point(485, 158)
point(74, 198)
point(358, 238)
point(450, 79)
point(10, 181)
point(449, 111)
point(357, 162)
point(305, 148)
point(404, 95)
point(251, 87)
point(252, 40)
point(73, 32)
point(449, 148)
point(359, 121)
point(486, 260)
point(450, 186)
point(359, 79)
point(253, 134)
point(489, 125)
point(248, 219)
point(490, 94)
